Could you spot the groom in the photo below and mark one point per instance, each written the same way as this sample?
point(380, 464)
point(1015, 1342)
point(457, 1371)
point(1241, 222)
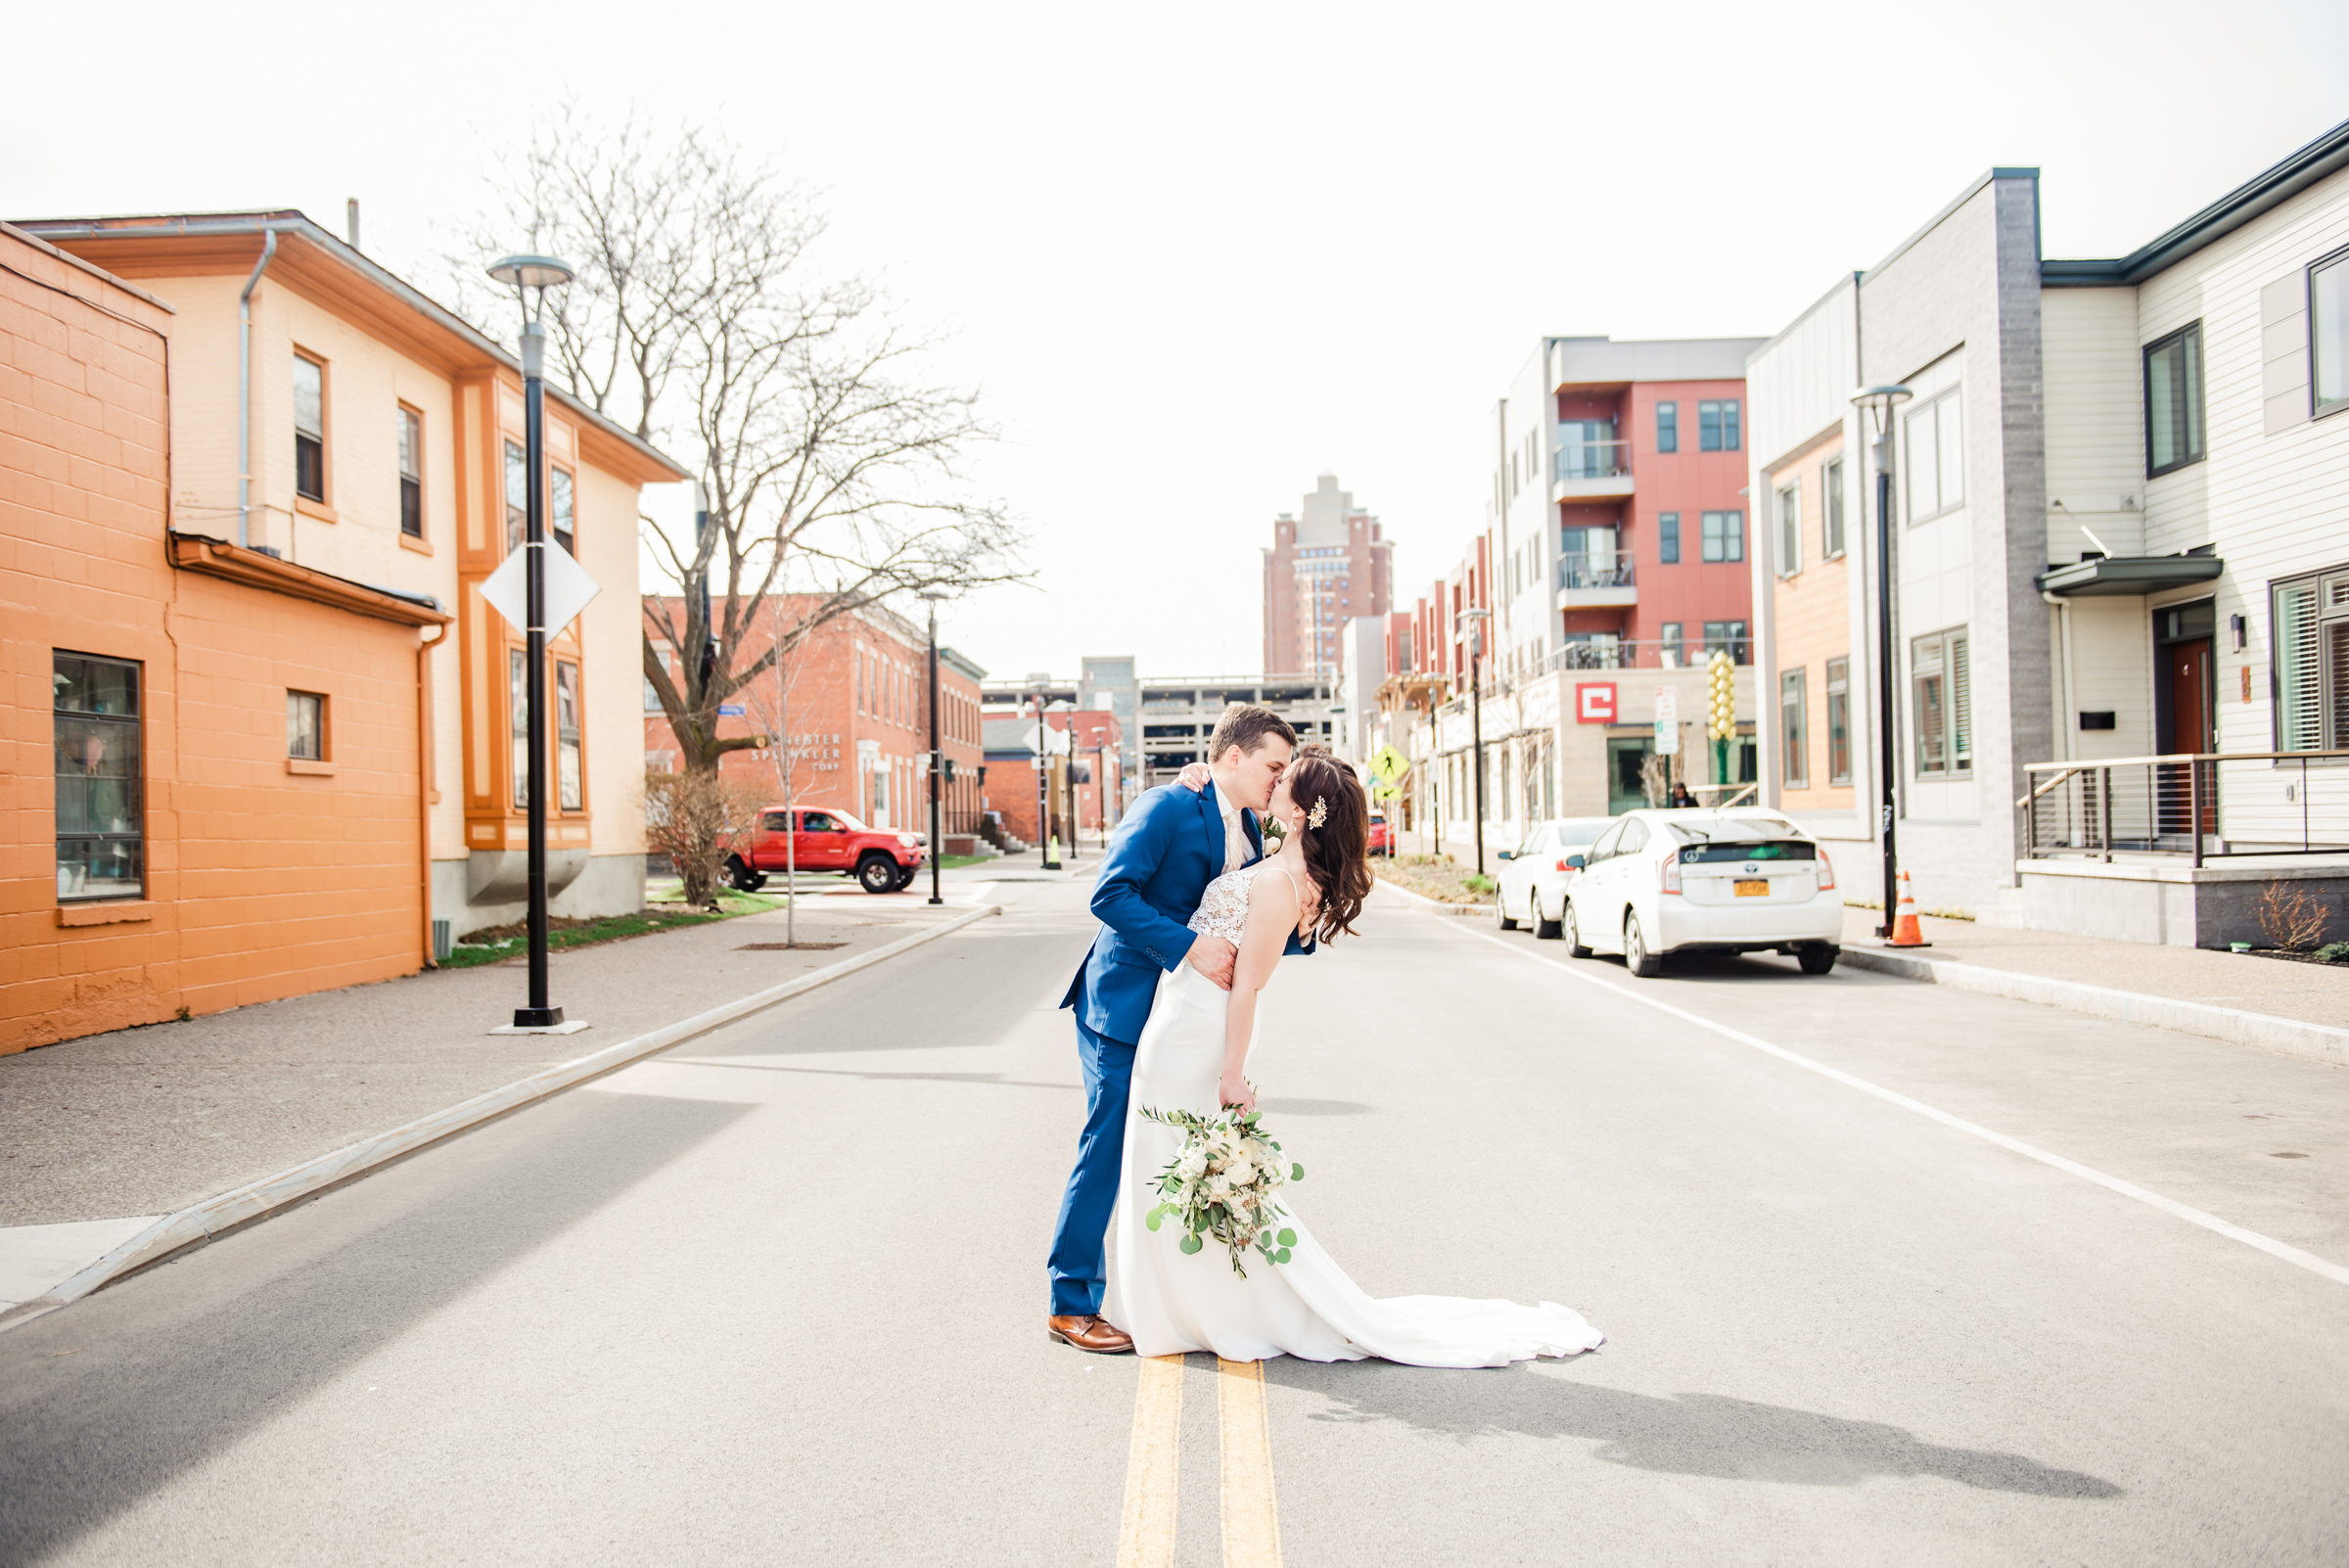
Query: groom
point(1171, 846)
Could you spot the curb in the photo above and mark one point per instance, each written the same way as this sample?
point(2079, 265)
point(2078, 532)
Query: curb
point(204, 1222)
point(1427, 906)
point(2288, 1036)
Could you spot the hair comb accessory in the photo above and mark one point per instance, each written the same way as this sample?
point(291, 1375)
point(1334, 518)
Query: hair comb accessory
point(1319, 814)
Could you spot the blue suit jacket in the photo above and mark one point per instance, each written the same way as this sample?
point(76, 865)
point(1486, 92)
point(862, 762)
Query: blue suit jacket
point(1165, 853)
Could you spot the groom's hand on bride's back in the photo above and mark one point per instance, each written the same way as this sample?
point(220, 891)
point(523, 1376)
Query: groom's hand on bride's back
point(1194, 777)
point(1213, 957)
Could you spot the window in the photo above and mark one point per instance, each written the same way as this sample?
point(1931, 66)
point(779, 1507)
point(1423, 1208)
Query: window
point(1717, 425)
point(1831, 485)
point(1793, 736)
point(305, 725)
point(518, 706)
point(1791, 530)
point(1727, 636)
point(1668, 538)
point(1668, 427)
point(569, 786)
point(560, 511)
point(310, 429)
point(1675, 654)
point(2311, 618)
point(1936, 458)
point(100, 842)
point(2173, 402)
point(1839, 720)
point(1944, 702)
point(411, 473)
point(517, 496)
point(1723, 536)
point(2328, 331)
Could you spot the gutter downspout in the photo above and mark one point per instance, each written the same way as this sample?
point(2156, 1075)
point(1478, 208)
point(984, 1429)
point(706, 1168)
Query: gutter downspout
point(424, 785)
point(244, 393)
point(2065, 725)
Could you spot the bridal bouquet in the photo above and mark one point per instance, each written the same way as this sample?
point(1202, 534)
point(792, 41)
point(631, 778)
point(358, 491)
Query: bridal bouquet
point(1221, 1184)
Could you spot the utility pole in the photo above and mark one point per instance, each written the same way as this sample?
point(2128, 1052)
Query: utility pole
point(937, 756)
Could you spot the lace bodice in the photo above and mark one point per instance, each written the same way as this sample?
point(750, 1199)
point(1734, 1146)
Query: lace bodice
point(1223, 907)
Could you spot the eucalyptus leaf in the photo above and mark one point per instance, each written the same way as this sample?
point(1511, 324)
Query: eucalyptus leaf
point(1287, 1237)
point(1150, 1220)
point(1296, 1172)
point(1191, 1244)
point(1281, 1255)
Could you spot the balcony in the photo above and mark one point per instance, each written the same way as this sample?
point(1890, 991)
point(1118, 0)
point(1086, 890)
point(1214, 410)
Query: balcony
point(1595, 582)
point(1603, 652)
point(1590, 471)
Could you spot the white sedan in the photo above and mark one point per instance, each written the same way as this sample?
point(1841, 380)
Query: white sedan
point(1532, 884)
point(1705, 881)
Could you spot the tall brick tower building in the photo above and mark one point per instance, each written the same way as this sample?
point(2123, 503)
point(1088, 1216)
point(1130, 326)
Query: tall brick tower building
point(1326, 566)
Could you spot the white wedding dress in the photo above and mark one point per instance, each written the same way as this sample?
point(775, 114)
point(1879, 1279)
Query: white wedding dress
point(1172, 1303)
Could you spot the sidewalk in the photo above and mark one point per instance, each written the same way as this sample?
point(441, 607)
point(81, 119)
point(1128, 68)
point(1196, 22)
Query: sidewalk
point(141, 1122)
point(2271, 1002)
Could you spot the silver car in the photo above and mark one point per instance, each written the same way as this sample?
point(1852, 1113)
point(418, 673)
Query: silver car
point(1533, 876)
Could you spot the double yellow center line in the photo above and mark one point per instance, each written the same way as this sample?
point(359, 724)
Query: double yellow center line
point(1154, 1467)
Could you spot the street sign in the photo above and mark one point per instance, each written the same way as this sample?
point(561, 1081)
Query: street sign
point(569, 588)
point(1668, 722)
point(1387, 764)
point(729, 709)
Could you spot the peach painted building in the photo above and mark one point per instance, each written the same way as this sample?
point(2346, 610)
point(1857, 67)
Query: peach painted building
point(215, 752)
point(853, 702)
point(384, 439)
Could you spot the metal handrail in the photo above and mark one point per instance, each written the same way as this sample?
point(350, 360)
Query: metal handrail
point(2184, 756)
point(2195, 804)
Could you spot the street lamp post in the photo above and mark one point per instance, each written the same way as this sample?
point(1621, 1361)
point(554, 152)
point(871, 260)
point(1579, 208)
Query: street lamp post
point(937, 756)
point(1476, 620)
point(519, 273)
point(1043, 791)
point(1880, 401)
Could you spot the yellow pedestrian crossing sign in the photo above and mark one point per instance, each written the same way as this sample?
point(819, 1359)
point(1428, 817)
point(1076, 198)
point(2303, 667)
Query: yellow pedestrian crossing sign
point(1387, 764)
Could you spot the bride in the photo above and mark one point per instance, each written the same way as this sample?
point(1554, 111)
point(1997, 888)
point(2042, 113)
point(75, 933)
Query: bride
point(1192, 1055)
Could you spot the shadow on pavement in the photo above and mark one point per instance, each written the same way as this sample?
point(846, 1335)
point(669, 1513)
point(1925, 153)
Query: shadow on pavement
point(175, 1365)
point(1693, 1434)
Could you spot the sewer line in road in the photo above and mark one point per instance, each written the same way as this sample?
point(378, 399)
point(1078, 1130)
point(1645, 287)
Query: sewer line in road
point(1251, 1516)
point(2127, 1189)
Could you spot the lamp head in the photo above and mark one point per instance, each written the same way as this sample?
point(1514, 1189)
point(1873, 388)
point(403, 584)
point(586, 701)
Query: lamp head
point(531, 272)
point(1881, 400)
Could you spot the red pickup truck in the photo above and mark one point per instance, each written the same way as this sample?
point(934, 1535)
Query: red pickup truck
point(882, 860)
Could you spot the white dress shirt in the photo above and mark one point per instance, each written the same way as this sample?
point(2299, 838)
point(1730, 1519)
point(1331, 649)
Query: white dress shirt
point(1236, 847)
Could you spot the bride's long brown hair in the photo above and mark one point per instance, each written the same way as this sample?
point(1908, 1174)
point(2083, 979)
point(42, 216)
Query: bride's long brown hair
point(1339, 849)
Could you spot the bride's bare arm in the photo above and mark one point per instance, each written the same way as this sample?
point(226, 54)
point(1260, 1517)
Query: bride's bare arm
point(1272, 916)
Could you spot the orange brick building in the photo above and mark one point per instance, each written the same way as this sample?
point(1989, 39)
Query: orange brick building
point(167, 849)
point(852, 705)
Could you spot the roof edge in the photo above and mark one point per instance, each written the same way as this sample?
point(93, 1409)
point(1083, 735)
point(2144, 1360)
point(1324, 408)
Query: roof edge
point(2272, 186)
point(1988, 177)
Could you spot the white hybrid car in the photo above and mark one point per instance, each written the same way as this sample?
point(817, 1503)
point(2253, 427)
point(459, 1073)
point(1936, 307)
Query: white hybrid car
point(1705, 881)
point(1532, 877)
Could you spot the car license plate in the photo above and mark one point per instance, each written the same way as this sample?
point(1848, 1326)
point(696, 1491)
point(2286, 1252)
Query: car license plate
point(1756, 888)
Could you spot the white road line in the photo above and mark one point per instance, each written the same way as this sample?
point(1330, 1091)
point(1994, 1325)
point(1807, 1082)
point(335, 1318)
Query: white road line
point(2169, 1206)
point(1153, 1467)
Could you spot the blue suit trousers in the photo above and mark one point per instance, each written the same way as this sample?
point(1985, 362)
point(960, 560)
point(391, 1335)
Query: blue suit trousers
point(1080, 1264)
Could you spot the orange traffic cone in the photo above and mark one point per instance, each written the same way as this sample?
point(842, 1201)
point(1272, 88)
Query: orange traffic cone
point(1904, 932)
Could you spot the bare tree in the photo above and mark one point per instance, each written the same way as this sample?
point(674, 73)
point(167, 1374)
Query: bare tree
point(696, 819)
point(828, 458)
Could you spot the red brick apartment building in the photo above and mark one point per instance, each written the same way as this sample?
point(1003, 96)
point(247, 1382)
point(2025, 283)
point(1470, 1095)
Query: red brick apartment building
point(1327, 565)
point(851, 706)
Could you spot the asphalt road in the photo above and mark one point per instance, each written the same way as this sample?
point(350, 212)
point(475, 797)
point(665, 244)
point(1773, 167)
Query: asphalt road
point(777, 1297)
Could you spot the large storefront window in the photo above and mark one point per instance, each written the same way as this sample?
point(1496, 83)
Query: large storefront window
point(100, 829)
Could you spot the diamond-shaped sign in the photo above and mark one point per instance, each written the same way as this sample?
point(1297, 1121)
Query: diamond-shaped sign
point(1387, 764)
point(569, 588)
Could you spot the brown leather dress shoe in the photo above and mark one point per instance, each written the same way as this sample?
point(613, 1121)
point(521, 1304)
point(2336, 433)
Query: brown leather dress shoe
point(1089, 1333)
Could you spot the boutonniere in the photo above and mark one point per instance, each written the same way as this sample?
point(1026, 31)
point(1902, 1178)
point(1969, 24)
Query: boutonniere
point(1272, 829)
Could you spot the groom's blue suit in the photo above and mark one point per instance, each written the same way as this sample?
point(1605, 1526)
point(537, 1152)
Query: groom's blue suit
point(1163, 856)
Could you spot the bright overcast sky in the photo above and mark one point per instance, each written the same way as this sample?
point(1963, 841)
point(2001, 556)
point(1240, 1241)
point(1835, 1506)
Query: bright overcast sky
point(1197, 254)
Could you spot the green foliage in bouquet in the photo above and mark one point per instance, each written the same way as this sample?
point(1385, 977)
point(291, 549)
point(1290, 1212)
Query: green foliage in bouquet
point(1220, 1184)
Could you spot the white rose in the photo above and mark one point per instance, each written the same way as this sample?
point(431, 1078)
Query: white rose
point(1240, 1174)
point(1192, 1166)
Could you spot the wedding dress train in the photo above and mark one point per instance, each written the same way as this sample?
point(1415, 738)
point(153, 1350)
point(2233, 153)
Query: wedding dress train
point(1171, 1302)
